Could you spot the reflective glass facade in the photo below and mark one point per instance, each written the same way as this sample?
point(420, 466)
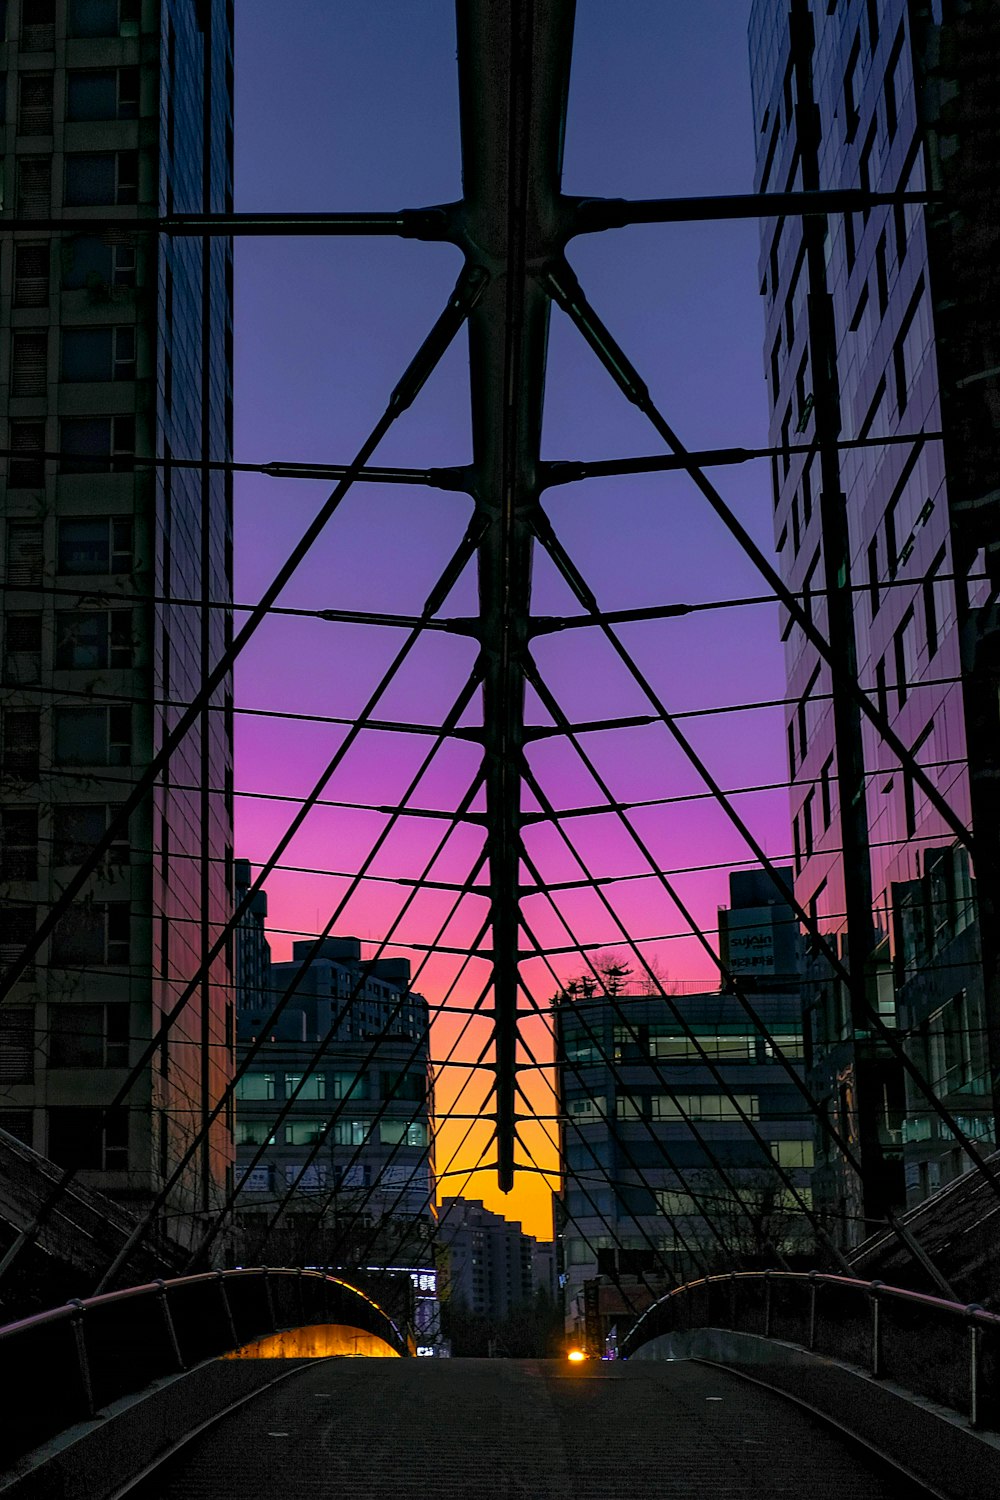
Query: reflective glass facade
point(889, 538)
point(663, 1172)
point(117, 343)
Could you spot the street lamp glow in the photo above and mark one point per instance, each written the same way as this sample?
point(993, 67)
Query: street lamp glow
point(576, 1356)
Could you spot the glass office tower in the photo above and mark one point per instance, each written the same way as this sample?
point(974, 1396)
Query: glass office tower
point(117, 343)
point(882, 325)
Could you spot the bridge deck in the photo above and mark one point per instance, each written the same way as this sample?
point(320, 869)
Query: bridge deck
point(520, 1430)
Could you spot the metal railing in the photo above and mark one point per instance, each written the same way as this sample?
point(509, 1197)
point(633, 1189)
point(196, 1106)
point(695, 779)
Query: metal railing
point(66, 1365)
point(945, 1351)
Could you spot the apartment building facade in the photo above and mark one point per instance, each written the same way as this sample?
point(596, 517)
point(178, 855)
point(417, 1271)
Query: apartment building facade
point(116, 348)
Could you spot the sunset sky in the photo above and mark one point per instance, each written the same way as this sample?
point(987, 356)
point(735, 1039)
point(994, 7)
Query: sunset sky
point(353, 105)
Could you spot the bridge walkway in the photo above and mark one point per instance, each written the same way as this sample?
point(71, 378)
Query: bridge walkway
point(519, 1430)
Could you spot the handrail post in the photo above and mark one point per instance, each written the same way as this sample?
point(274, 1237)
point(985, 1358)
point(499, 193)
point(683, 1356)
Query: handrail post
point(767, 1304)
point(873, 1291)
point(733, 1321)
point(813, 1289)
point(168, 1324)
point(82, 1361)
point(226, 1307)
point(270, 1299)
point(975, 1362)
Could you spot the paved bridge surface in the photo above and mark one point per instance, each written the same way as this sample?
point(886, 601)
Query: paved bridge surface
point(519, 1430)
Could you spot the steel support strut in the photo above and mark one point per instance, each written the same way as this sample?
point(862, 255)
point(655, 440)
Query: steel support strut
point(513, 62)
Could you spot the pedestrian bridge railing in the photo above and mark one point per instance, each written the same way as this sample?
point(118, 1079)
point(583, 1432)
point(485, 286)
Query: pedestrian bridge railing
point(944, 1351)
point(65, 1365)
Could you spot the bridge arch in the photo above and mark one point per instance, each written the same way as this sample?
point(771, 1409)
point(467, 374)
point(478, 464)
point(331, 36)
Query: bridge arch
point(88, 1356)
point(913, 1377)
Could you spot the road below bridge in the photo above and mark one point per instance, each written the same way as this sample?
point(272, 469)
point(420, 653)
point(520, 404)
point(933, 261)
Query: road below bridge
point(517, 1430)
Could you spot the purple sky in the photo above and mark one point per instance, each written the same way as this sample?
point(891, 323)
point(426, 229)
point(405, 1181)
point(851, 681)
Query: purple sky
point(354, 106)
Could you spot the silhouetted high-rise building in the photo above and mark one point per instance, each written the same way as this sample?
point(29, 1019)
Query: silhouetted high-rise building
point(882, 331)
point(116, 344)
point(252, 951)
point(491, 1261)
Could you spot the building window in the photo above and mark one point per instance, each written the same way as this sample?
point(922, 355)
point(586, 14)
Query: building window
point(34, 114)
point(102, 179)
point(256, 1086)
point(22, 732)
point(874, 598)
point(402, 1133)
point(809, 590)
point(19, 843)
point(89, 1139)
point(102, 94)
point(25, 553)
point(34, 187)
point(912, 344)
point(581, 1049)
point(96, 445)
point(937, 603)
point(96, 18)
point(946, 1045)
point(914, 797)
point(38, 25)
point(17, 928)
point(77, 827)
point(95, 544)
point(27, 466)
point(31, 275)
point(93, 736)
point(347, 1086)
point(894, 86)
point(703, 1106)
point(304, 1132)
point(825, 790)
point(98, 354)
point(93, 639)
point(851, 116)
point(254, 1133)
point(29, 362)
point(807, 824)
point(17, 1047)
point(93, 932)
point(590, 1108)
point(89, 1036)
point(22, 648)
point(807, 714)
point(792, 1153)
point(314, 1086)
point(350, 1132)
point(91, 264)
point(786, 428)
point(904, 648)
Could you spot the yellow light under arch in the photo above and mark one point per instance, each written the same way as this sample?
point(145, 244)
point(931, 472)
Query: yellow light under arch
point(317, 1341)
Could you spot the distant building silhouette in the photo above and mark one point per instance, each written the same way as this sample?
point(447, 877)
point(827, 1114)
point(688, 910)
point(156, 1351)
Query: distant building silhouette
point(493, 1266)
point(252, 951)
